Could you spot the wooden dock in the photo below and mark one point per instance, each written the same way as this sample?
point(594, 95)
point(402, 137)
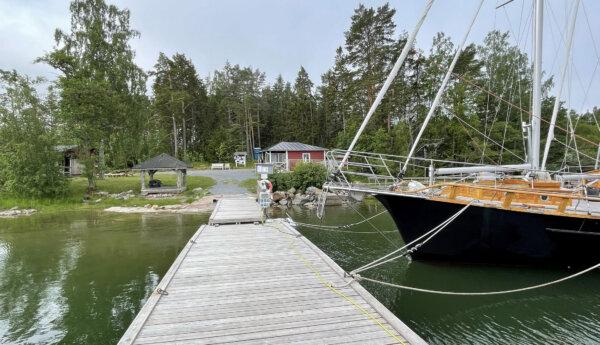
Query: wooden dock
point(261, 284)
point(236, 209)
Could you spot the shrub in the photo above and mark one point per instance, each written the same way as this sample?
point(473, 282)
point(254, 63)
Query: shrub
point(29, 165)
point(309, 175)
point(282, 181)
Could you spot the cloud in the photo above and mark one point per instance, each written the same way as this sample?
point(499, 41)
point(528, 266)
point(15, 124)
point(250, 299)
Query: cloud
point(278, 36)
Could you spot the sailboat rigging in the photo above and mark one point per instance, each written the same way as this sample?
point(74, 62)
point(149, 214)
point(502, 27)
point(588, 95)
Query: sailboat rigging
point(519, 213)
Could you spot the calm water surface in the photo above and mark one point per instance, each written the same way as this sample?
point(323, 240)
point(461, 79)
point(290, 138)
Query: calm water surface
point(568, 313)
point(80, 278)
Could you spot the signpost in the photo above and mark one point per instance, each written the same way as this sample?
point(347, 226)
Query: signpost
point(264, 186)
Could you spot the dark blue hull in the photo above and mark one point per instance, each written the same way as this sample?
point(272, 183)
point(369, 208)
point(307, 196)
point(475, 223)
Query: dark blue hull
point(491, 235)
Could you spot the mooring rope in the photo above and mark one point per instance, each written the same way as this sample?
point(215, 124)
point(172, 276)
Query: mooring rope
point(483, 293)
point(348, 231)
point(345, 226)
point(431, 233)
point(368, 220)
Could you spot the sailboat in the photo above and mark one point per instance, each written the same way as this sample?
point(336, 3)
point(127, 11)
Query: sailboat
point(506, 214)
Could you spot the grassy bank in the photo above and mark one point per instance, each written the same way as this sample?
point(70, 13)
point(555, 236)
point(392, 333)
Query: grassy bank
point(249, 184)
point(113, 185)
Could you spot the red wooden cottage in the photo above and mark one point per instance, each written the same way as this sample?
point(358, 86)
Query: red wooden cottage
point(286, 155)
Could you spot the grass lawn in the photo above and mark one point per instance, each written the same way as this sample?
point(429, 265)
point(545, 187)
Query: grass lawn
point(249, 184)
point(78, 186)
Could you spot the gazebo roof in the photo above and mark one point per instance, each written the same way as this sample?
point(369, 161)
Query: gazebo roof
point(162, 161)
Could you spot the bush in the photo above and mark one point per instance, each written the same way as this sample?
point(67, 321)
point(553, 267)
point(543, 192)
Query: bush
point(282, 181)
point(309, 175)
point(29, 165)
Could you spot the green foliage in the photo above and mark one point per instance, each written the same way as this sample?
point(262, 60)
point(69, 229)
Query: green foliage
point(102, 91)
point(303, 176)
point(309, 175)
point(29, 165)
point(282, 181)
point(101, 103)
point(73, 196)
point(180, 104)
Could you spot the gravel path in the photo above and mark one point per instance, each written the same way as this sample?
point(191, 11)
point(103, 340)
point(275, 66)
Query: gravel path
point(227, 181)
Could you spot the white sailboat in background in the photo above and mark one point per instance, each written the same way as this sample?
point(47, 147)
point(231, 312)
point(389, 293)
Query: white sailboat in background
point(520, 213)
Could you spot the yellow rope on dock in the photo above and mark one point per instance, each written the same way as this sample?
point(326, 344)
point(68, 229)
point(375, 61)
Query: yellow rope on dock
point(340, 293)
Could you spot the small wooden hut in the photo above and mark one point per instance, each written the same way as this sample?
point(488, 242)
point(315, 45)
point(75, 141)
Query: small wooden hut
point(162, 162)
point(285, 155)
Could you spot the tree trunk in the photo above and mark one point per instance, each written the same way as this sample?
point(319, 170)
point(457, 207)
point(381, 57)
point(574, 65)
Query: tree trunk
point(101, 164)
point(246, 126)
point(173, 117)
point(183, 127)
point(258, 129)
point(174, 135)
point(89, 163)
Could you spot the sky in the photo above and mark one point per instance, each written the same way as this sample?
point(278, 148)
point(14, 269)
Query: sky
point(278, 36)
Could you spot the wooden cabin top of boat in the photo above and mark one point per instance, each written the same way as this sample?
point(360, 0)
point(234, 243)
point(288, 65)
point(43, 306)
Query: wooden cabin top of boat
point(545, 197)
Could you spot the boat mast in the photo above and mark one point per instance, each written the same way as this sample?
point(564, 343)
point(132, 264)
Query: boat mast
point(561, 82)
point(440, 92)
point(536, 106)
point(407, 47)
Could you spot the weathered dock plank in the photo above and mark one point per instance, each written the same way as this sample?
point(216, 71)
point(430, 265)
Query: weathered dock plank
point(257, 284)
point(236, 210)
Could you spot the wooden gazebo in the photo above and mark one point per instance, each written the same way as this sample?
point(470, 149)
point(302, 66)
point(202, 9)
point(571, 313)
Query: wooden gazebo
point(162, 162)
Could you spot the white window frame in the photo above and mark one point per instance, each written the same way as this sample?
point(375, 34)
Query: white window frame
point(306, 156)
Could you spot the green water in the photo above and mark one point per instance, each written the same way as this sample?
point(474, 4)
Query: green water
point(80, 278)
point(568, 313)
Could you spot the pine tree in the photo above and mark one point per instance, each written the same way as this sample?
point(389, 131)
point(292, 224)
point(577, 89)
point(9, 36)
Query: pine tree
point(180, 102)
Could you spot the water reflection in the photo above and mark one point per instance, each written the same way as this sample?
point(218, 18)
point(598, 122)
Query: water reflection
point(80, 277)
point(566, 313)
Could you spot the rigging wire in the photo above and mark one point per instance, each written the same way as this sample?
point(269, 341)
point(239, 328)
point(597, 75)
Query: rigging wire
point(428, 235)
point(475, 142)
point(487, 102)
point(477, 293)
point(569, 146)
point(517, 107)
point(442, 87)
point(595, 46)
point(371, 224)
point(490, 139)
point(526, 31)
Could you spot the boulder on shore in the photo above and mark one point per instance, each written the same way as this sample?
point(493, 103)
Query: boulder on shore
point(313, 191)
point(277, 196)
point(298, 199)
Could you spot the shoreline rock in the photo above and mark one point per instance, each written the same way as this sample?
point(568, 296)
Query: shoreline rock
point(17, 212)
point(202, 205)
point(309, 199)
